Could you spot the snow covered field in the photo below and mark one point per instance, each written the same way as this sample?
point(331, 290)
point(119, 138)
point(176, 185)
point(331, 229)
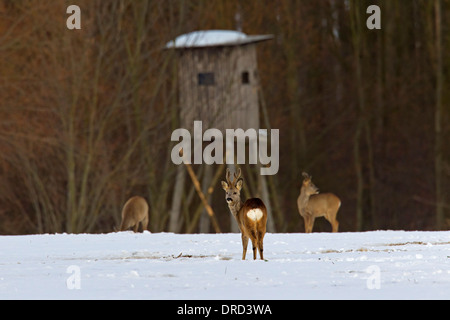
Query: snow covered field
point(367, 265)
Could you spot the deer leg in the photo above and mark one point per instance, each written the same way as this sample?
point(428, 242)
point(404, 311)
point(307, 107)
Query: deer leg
point(306, 222)
point(334, 223)
point(136, 227)
point(260, 246)
point(309, 224)
point(254, 244)
point(253, 238)
point(312, 224)
point(244, 246)
point(144, 224)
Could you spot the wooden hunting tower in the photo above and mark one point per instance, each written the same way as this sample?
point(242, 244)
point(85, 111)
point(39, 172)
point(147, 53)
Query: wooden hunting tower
point(218, 79)
point(217, 84)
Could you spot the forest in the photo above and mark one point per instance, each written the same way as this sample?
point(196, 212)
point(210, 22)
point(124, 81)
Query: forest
point(86, 115)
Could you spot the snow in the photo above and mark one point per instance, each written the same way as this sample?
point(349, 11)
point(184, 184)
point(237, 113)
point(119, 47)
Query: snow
point(125, 265)
point(207, 38)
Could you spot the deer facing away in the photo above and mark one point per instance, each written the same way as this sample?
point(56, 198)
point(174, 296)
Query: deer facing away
point(311, 205)
point(250, 215)
point(134, 211)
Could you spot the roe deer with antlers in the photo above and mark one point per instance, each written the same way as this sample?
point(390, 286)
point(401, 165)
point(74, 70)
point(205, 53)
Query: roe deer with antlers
point(134, 211)
point(311, 205)
point(251, 215)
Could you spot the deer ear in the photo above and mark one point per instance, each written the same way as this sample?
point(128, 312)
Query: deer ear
point(239, 184)
point(224, 185)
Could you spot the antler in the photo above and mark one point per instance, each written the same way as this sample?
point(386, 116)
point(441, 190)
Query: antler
point(306, 176)
point(237, 175)
point(227, 176)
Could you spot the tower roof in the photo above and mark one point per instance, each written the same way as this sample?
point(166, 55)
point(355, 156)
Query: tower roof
point(214, 38)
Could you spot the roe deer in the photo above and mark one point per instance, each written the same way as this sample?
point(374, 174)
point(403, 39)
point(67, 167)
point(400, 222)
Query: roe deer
point(311, 205)
point(134, 211)
point(251, 216)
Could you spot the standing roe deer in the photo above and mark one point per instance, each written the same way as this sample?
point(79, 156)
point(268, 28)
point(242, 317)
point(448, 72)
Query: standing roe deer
point(134, 211)
point(251, 216)
point(311, 205)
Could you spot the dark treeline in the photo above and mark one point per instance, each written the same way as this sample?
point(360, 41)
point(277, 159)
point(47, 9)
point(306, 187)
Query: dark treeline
point(86, 115)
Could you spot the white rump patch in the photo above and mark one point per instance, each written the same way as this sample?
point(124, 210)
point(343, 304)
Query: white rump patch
point(255, 214)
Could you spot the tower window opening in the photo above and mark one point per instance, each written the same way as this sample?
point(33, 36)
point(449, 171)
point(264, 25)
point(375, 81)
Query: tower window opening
point(245, 77)
point(206, 79)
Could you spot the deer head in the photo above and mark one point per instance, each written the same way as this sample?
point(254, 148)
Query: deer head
point(232, 188)
point(308, 186)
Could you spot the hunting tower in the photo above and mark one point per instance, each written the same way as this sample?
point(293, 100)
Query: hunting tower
point(218, 84)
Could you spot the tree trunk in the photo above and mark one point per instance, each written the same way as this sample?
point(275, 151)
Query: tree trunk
point(357, 47)
point(438, 118)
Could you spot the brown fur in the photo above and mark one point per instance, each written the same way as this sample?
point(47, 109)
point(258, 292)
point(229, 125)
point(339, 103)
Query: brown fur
point(134, 211)
point(253, 229)
point(311, 205)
